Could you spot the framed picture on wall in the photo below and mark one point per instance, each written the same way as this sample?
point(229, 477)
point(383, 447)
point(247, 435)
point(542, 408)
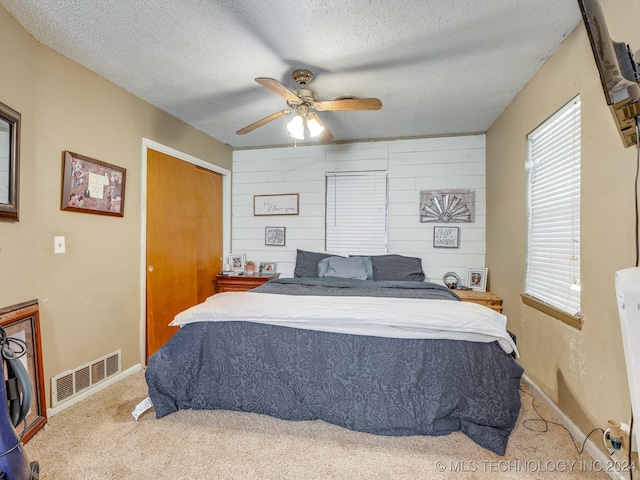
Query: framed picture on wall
point(92, 186)
point(274, 236)
point(477, 279)
point(281, 204)
point(445, 237)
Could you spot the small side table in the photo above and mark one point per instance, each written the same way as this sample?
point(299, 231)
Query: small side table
point(241, 283)
point(487, 299)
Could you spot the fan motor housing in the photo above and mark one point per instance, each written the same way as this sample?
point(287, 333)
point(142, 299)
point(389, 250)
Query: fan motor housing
point(302, 77)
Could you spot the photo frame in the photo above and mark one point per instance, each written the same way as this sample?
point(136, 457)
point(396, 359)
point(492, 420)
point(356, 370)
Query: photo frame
point(275, 236)
point(446, 237)
point(477, 279)
point(266, 268)
point(21, 324)
point(92, 186)
point(237, 261)
point(281, 204)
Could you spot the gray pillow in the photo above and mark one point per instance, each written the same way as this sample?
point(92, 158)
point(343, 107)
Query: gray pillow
point(352, 267)
point(307, 263)
point(397, 267)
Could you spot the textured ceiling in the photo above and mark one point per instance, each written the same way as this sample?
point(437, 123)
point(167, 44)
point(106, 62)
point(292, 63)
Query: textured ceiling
point(439, 66)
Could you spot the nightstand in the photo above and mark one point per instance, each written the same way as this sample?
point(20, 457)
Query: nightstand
point(487, 299)
point(241, 283)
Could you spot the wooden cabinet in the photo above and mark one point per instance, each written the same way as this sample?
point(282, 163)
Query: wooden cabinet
point(487, 299)
point(241, 283)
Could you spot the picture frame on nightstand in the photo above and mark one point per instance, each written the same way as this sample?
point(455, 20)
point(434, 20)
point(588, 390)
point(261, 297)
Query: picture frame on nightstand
point(237, 261)
point(477, 279)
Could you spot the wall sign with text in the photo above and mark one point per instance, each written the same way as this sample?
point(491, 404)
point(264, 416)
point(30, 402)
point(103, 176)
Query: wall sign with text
point(446, 237)
point(285, 204)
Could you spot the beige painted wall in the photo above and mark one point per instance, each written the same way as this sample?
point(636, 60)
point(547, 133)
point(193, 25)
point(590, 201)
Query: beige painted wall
point(90, 296)
point(583, 372)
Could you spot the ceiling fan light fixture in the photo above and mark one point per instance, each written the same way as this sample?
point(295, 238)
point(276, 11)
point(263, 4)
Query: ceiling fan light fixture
point(296, 127)
point(314, 127)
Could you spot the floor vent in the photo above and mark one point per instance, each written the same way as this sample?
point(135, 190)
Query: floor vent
point(73, 382)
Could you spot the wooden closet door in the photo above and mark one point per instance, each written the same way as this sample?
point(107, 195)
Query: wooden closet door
point(209, 231)
point(184, 241)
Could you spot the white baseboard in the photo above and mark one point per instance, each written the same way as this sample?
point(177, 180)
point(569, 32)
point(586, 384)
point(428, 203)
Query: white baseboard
point(116, 378)
point(589, 446)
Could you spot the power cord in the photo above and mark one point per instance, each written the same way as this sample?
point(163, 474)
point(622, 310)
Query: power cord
point(546, 423)
point(580, 449)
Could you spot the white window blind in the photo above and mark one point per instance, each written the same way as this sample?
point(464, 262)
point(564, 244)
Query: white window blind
point(553, 249)
point(356, 212)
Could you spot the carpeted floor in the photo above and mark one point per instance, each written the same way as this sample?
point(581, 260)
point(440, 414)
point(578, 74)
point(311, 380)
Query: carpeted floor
point(99, 439)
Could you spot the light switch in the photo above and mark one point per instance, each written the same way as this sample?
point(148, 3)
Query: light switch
point(58, 245)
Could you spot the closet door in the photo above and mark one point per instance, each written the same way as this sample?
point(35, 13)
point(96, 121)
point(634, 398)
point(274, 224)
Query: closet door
point(184, 241)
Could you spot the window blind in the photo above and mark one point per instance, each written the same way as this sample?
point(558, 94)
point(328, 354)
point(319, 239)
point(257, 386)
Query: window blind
point(356, 212)
point(553, 249)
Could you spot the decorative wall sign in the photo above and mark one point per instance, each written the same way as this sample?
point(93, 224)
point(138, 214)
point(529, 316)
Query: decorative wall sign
point(285, 204)
point(447, 206)
point(274, 236)
point(92, 186)
point(445, 237)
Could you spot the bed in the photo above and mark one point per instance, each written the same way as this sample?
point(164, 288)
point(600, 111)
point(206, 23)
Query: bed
point(392, 355)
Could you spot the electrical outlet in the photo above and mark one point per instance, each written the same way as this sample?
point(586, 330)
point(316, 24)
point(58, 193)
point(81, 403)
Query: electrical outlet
point(58, 245)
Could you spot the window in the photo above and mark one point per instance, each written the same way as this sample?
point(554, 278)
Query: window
point(356, 212)
point(553, 247)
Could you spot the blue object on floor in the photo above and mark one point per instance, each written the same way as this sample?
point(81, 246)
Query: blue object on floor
point(17, 393)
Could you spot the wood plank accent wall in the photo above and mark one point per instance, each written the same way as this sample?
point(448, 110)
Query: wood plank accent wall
point(413, 165)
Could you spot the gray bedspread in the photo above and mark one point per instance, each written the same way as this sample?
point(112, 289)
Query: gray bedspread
point(331, 286)
point(378, 385)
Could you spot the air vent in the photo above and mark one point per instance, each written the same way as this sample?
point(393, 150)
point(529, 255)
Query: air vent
point(73, 382)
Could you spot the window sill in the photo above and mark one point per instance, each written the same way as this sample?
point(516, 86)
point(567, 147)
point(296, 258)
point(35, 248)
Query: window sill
point(571, 320)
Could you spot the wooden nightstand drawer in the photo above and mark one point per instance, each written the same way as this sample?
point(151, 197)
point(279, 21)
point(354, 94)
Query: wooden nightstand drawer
point(241, 283)
point(487, 299)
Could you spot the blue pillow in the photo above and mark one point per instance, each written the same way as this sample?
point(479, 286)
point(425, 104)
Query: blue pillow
point(353, 267)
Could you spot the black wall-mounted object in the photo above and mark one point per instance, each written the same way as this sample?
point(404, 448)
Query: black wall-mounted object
point(619, 73)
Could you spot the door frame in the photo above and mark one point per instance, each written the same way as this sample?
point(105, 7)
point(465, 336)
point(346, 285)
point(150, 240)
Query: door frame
point(226, 221)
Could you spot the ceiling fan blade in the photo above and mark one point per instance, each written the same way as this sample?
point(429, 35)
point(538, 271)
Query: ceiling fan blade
point(275, 86)
point(326, 135)
point(350, 104)
point(268, 119)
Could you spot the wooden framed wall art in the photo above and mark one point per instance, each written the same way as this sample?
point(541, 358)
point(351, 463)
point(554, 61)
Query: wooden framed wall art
point(92, 186)
point(283, 204)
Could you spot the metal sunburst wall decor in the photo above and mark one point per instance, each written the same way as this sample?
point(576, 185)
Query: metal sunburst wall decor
point(447, 206)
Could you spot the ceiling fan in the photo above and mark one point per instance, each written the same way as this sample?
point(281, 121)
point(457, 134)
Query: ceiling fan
point(302, 101)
